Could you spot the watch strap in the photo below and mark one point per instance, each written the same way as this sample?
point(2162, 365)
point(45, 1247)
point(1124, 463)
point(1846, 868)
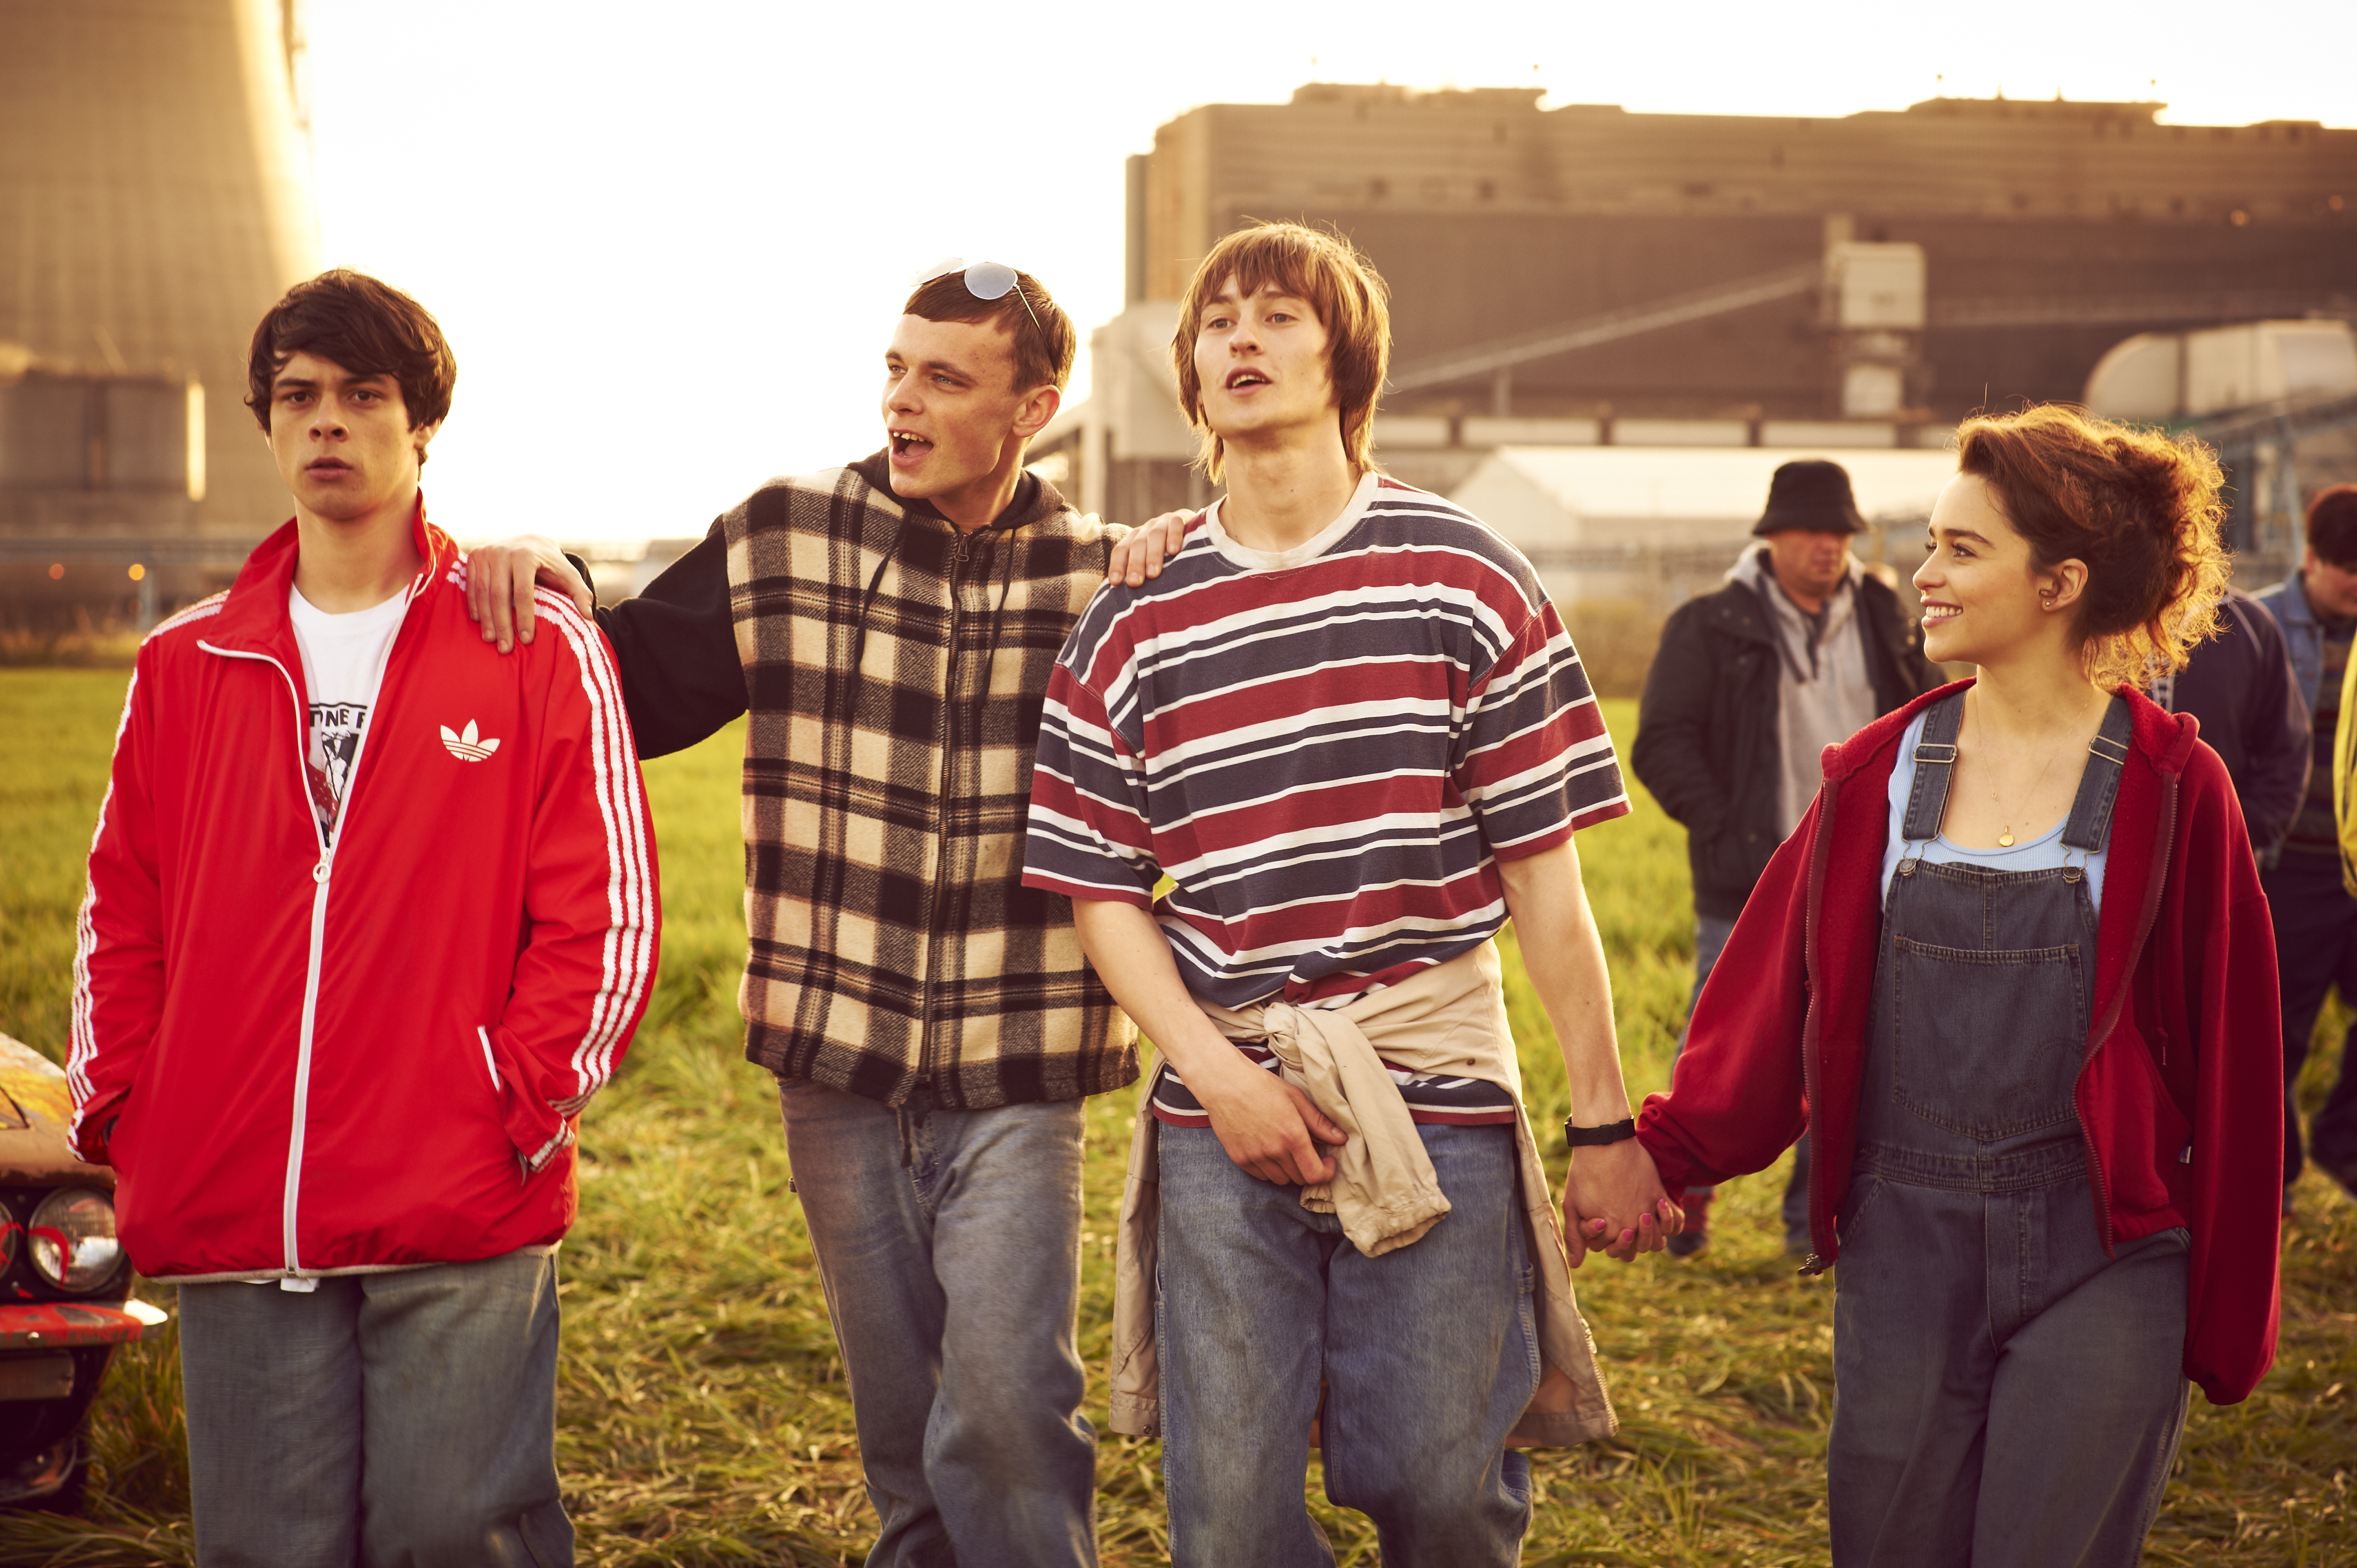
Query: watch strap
point(1611, 1132)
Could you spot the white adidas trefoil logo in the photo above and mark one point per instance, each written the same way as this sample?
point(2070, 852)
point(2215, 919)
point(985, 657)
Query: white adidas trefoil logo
point(467, 748)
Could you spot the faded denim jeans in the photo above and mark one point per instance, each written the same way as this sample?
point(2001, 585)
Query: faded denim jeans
point(949, 1245)
point(1428, 1355)
point(403, 1420)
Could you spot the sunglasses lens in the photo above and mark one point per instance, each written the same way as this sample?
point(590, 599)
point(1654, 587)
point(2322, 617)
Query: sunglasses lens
point(941, 268)
point(989, 280)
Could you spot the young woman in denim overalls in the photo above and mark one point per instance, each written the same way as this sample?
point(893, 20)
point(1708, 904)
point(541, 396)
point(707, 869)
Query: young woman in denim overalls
point(2015, 1196)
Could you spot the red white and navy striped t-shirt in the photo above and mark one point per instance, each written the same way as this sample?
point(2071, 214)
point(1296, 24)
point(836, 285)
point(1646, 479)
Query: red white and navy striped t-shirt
point(1326, 751)
point(1430, 1096)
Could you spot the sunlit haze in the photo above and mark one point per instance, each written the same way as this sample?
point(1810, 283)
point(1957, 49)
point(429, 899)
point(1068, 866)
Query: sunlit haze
point(668, 242)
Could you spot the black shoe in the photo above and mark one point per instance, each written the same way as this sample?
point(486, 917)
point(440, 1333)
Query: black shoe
point(1688, 1244)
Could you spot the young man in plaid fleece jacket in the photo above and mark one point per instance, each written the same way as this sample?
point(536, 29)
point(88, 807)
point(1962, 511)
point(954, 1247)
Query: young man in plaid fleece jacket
point(933, 1026)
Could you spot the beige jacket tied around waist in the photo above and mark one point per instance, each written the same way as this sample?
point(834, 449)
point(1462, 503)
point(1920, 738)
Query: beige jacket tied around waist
point(1451, 1018)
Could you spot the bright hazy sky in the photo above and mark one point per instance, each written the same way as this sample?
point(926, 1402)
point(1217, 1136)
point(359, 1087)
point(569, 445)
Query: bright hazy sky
point(669, 242)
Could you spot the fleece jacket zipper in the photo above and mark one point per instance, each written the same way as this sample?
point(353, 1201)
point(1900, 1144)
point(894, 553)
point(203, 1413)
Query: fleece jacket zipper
point(945, 739)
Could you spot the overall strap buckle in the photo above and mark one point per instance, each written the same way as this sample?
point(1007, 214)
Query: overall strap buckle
point(2099, 783)
point(1935, 764)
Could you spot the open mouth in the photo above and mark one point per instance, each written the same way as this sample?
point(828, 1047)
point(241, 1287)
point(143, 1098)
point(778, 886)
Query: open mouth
point(909, 444)
point(1246, 378)
point(1935, 615)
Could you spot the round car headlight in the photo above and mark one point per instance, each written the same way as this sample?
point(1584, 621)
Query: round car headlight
point(73, 1239)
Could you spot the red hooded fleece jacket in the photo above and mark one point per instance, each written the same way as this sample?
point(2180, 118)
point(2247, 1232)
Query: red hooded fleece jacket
point(2180, 1093)
point(303, 1062)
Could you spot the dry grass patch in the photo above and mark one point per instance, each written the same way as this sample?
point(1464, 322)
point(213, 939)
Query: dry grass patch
point(703, 1414)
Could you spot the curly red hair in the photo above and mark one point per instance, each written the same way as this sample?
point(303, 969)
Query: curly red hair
point(2141, 509)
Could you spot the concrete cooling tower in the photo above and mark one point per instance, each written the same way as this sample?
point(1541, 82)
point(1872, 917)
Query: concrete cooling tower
point(153, 202)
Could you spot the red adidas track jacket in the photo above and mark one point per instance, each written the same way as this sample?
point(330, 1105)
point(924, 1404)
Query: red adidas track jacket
point(304, 1062)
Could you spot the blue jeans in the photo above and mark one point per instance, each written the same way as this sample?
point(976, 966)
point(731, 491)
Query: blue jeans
point(949, 1245)
point(1427, 1356)
point(401, 1419)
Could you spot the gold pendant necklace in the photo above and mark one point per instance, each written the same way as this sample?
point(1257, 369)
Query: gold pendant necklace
point(2004, 838)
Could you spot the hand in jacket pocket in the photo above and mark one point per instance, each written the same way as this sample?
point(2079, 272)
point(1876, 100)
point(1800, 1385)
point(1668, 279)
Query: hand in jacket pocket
point(536, 1127)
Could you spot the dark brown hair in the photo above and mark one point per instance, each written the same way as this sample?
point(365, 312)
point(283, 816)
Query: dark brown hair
point(368, 328)
point(2140, 507)
point(1044, 341)
point(1352, 303)
point(2332, 525)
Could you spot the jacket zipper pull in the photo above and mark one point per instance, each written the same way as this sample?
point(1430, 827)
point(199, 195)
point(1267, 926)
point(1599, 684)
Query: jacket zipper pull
point(319, 872)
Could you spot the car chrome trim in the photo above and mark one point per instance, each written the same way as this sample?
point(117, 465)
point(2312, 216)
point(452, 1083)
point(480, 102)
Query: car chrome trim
point(63, 1325)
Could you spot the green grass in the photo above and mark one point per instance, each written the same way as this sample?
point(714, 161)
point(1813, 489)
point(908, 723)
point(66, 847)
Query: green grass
point(703, 1414)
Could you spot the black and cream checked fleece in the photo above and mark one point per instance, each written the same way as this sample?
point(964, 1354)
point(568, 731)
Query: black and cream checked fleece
point(891, 937)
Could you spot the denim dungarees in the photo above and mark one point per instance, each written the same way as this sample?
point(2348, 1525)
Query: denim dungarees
point(2006, 1393)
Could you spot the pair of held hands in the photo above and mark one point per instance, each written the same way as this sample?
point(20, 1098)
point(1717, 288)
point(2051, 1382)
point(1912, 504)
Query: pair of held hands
point(1612, 1197)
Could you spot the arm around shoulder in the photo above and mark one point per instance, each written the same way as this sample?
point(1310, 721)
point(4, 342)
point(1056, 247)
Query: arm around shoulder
point(675, 643)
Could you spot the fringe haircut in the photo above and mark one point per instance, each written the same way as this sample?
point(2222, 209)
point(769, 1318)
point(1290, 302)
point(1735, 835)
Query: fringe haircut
point(1342, 286)
point(369, 327)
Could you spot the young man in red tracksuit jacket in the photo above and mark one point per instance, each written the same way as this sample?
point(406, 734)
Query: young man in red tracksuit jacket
point(371, 913)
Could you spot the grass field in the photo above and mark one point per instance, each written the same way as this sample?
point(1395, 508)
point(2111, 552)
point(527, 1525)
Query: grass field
point(703, 1414)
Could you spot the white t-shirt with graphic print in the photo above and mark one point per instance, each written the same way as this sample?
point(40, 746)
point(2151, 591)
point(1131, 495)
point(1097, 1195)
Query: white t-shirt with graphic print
point(343, 665)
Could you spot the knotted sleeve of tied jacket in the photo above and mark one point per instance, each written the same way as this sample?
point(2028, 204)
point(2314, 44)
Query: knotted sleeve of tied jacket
point(1451, 1018)
point(1384, 1190)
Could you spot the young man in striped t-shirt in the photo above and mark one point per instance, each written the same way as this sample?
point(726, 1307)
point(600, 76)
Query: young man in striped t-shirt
point(1346, 723)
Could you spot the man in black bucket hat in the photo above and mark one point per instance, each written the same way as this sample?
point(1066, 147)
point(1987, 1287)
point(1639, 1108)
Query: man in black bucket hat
point(1800, 648)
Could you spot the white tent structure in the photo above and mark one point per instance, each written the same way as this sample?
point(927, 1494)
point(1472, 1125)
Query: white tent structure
point(1655, 523)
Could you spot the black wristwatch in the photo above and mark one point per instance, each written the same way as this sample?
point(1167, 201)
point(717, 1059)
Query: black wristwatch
point(1590, 1137)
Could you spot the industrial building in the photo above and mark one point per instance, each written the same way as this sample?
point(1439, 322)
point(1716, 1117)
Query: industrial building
point(1586, 276)
point(153, 202)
